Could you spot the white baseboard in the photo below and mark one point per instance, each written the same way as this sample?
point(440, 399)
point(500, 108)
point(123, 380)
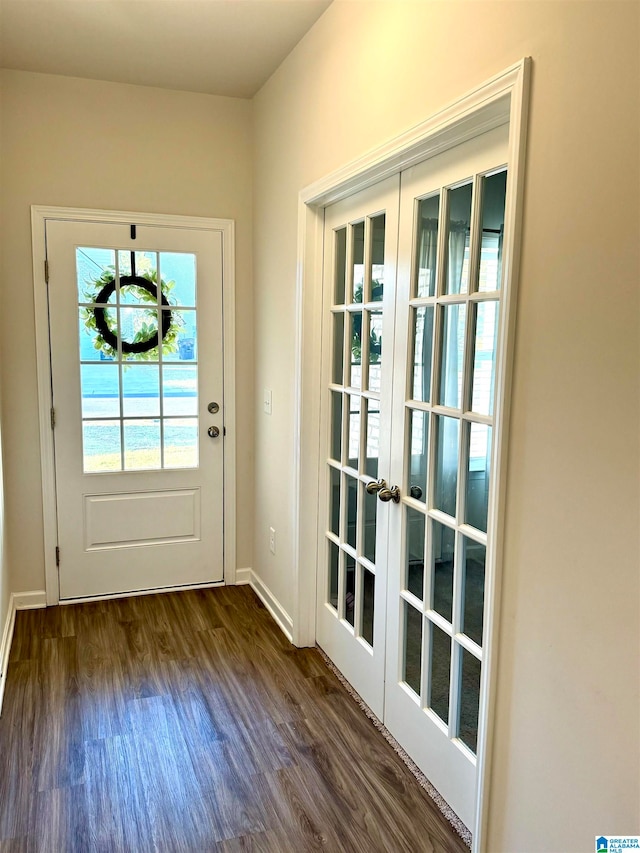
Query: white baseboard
point(17, 601)
point(243, 576)
point(282, 618)
point(30, 600)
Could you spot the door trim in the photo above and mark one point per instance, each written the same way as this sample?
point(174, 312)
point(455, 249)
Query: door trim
point(39, 216)
point(501, 100)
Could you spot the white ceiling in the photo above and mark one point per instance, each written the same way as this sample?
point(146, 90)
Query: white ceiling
point(222, 47)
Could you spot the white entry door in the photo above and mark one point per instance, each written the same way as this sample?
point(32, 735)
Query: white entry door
point(434, 413)
point(135, 319)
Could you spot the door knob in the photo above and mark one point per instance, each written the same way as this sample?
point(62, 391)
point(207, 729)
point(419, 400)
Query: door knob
point(386, 495)
point(213, 432)
point(375, 486)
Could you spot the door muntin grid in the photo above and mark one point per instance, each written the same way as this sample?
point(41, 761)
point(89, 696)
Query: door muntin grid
point(448, 439)
point(357, 351)
point(139, 410)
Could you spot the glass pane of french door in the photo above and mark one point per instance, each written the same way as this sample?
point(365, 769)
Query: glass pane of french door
point(360, 254)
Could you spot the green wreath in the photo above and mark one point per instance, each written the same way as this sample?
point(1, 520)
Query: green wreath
point(145, 341)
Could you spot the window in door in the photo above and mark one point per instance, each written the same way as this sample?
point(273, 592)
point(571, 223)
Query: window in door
point(357, 350)
point(138, 347)
point(454, 320)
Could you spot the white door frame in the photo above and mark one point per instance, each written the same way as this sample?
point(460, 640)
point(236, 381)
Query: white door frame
point(502, 99)
point(39, 216)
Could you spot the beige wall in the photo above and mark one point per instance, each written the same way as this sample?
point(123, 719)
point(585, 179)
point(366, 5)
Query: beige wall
point(566, 764)
point(5, 589)
point(82, 143)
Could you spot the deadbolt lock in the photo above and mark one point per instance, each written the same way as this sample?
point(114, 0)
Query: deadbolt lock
point(214, 408)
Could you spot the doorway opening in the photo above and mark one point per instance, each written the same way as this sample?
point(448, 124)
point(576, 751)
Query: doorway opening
point(500, 103)
point(137, 401)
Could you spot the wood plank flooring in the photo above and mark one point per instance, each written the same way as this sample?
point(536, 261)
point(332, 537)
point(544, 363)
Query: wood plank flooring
point(187, 722)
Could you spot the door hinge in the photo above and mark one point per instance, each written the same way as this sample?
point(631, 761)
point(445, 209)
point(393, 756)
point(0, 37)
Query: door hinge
point(53, 418)
point(46, 271)
point(57, 556)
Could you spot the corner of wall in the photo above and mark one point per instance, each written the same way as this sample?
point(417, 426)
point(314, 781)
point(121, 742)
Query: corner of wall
point(5, 645)
point(6, 612)
point(282, 619)
point(17, 601)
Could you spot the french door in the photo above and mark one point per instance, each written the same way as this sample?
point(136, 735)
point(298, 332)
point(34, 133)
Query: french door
point(359, 263)
point(408, 511)
point(137, 379)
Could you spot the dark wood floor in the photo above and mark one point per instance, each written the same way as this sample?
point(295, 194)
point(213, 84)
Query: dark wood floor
point(187, 722)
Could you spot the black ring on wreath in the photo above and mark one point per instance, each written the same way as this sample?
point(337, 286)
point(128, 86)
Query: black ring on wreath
point(101, 321)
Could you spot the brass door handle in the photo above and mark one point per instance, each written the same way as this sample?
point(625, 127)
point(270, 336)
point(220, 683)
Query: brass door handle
point(375, 487)
point(386, 495)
